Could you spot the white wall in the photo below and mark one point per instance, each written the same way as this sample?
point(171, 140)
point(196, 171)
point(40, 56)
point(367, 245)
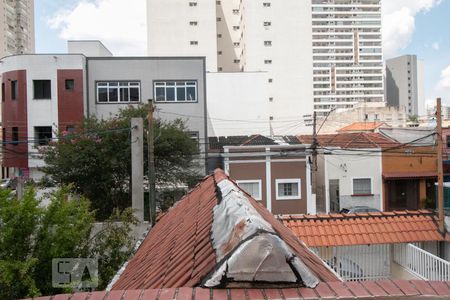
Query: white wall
point(169, 30)
point(237, 96)
point(88, 48)
point(346, 165)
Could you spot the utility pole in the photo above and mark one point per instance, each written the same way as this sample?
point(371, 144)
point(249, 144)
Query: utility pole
point(314, 161)
point(440, 166)
point(137, 167)
point(151, 163)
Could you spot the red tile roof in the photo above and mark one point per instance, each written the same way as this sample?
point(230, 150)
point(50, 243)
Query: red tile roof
point(362, 126)
point(364, 229)
point(179, 250)
point(383, 289)
point(360, 140)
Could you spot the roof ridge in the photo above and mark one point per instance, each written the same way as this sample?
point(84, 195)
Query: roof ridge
point(252, 138)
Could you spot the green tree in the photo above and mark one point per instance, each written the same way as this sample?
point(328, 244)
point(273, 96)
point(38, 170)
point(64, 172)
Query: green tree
point(96, 159)
point(32, 236)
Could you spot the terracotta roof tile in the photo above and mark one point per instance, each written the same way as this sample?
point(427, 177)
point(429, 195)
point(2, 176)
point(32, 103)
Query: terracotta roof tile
point(362, 126)
point(178, 251)
point(348, 230)
point(352, 140)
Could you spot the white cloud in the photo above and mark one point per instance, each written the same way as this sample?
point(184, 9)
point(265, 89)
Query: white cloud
point(121, 25)
point(436, 46)
point(444, 82)
point(399, 22)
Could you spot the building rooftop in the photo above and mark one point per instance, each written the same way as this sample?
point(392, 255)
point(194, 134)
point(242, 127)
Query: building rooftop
point(213, 237)
point(362, 126)
point(217, 143)
point(364, 229)
point(382, 289)
point(361, 140)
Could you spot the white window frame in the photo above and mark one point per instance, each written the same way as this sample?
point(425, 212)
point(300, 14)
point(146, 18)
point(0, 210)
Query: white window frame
point(106, 84)
point(292, 180)
point(186, 84)
point(371, 186)
point(258, 181)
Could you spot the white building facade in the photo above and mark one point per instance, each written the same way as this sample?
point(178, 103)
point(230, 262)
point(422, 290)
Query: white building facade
point(249, 37)
point(347, 53)
point(16, 27)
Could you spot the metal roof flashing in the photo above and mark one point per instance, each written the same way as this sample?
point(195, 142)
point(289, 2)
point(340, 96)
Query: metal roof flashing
point(248, 249)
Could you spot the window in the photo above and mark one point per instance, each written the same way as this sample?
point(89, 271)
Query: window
point(270, 80)
point(219, 19)
point(194, 43)
point(175, 91)
point(14, 90)
point(15, 136)
point(288, 189)
point(252, 187)
point(235, 11)
point(42, 89)
point(268, 61)
point(236, 27)
point(270, 99)
point(42, 135)
point(448, 141)
point(267, 43)
point(70, 84)
point(70, 129)
point(3, 92)
point(219, 35)
point(267, 24)
point(362, 186)
point(192, 4)
point(218, 2)
point(236, 61)
point(193, 23)
point(219, 52)
point(266, 4)
point(236, 44)
point(118, 92)
point(195, 136)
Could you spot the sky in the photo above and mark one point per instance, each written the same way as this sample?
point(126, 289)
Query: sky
point(418, 27)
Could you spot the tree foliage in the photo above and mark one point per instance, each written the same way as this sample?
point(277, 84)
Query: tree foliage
point(96, 158)
point(31, 236)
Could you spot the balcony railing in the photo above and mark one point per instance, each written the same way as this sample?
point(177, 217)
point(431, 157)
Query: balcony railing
point(421, 263)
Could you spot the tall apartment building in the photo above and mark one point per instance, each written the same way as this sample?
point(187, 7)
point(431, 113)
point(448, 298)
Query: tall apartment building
point(347, 53)
point(405, 84)
point(267, 42)
point(16, 27)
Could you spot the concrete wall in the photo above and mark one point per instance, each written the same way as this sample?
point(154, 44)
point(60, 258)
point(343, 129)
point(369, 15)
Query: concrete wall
point(170, 33)
point(345, 166)
point(88, 48)
point(405, 84)
point(238, 96)
point(146, 71)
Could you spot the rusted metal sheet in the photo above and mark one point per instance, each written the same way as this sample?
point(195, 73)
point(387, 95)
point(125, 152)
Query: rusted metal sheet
point(247, 247)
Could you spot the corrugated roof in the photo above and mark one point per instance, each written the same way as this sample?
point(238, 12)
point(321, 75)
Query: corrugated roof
point(382, 289)
point(181, 250)
point(361, 140)
point(362, 126)
point(364, 229)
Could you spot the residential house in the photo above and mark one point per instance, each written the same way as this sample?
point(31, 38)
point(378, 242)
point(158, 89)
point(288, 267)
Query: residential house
point(274, 171)
point(209, 246)
point(45, 94)
point(349, 170)
point(375, 246)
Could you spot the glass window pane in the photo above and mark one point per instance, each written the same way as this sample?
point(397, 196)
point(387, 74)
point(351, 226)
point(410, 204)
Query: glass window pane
point(170, 96)
point(134, 95)
point(113, 95)
point(191, 94)
point(181, 94)
point(102, 84)
point(170, 83)
point(252, 188)
point(102, 95)
point(123, 83)
point(362, 186)
point(124, 95)
point(113, 84)
point(160, 94)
